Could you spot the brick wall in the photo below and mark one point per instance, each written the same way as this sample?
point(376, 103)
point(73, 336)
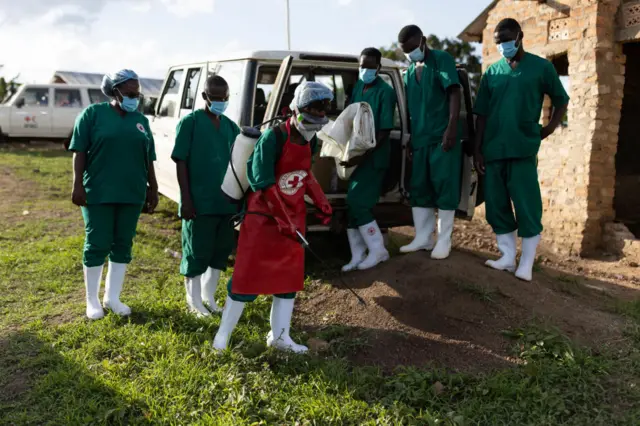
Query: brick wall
point(577, 163)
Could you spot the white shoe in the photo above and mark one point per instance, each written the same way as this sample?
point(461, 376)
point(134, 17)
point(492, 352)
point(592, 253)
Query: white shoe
point(278, 337)
point(92, 278)
point(442, 249)
point(507, 245)
point(230, 316)
point(375, 243)
point(192, 287)
point(529, 247)
point(113, 288)
point(358, 250)
point(424, 222)
point(209, 285)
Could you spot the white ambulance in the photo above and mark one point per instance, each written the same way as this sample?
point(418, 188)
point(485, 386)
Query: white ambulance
point(261, 86)
point(45, 111)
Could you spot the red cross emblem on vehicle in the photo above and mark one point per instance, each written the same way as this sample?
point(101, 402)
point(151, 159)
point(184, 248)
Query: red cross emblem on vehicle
point(29, 118)
point(291, 182)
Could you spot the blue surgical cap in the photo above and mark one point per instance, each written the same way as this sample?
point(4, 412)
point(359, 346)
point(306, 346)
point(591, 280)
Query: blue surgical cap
point(109, 81)
point(309, 92)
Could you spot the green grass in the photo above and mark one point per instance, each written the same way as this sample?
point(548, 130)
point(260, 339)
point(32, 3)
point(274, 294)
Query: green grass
point(157, 367)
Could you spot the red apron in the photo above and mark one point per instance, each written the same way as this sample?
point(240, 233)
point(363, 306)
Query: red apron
point(268, 262)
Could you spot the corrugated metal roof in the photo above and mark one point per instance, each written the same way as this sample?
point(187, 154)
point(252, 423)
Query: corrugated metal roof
point(151, 87)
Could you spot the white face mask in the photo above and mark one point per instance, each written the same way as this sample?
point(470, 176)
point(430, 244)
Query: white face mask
point(307, 134)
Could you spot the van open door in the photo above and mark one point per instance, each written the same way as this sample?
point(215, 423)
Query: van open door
point(470, 182)
point(279, 87)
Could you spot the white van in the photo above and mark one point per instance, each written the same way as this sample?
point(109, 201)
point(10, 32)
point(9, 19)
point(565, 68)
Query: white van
point(261, 85)
point(46, 111)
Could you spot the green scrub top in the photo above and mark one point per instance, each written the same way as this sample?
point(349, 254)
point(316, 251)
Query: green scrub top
point(382, 99)
point(261, 166)
point(206, 150)
point(119, 150)
point(428, 101)
point(512, 102)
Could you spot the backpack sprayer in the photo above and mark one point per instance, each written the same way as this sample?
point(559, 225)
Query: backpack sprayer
point(236, 183)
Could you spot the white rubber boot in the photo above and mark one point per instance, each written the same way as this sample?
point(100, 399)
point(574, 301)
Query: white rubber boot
point(230, 316)
point(113, 288)
point(424, 222)
point(192, 286)
point(358, 250)
point(507, 245)
point(529, 247)
point(92, 278)
point(209, 285)
point(375, 243)
point(278, 337)
point(442, 249)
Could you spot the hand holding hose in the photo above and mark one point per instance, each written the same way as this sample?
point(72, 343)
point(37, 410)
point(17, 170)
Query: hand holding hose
point(279, 211)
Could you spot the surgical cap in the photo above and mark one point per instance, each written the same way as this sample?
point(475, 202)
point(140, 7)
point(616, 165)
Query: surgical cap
point(309, 92)
point(109, 81)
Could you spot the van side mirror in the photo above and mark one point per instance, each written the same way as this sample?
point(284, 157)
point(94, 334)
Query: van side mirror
point(20, 103)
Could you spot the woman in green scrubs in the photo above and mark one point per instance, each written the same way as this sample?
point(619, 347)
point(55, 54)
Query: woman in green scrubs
point(113, 179)
point(202, 152)
point(508, 137)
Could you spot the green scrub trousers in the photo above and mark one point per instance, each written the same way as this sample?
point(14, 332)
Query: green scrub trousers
point(513, 180)
point(207, 241)
point(435, 177)
point(109, 229)
point(365, 186)
point(247, 298)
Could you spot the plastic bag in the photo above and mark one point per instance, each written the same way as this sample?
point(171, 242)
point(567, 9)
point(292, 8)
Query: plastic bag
point(351, 135)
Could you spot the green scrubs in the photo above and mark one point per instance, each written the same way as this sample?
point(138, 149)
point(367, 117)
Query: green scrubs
point(511, 100)
point(119, 151)
point(261, 168)
point(207, 240)
point(365, 184)
point(435, 174)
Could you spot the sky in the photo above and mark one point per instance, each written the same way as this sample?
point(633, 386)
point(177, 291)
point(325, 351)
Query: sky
point(38, 37)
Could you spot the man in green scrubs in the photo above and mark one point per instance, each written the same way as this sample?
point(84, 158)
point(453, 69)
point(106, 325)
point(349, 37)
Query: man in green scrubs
point(365, 184)
point(113, 179)
point(508, 137)
point(201, 152)
point(433, 97)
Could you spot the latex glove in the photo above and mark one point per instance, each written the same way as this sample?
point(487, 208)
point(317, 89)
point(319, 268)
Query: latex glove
point(315, 192)
point(279, 211)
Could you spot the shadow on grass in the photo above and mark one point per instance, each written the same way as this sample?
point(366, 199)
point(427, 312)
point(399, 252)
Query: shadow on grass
point(39, 386)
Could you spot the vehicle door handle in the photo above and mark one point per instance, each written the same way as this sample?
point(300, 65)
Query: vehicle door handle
point(43, 113)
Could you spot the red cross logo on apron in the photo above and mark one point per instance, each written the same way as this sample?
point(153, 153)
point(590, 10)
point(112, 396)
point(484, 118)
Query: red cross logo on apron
point(291, 182)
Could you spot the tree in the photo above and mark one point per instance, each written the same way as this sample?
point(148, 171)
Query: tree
point(461, 51)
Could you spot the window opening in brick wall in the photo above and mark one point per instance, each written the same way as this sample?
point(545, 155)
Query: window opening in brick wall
point(561, 64)
point(626, 200)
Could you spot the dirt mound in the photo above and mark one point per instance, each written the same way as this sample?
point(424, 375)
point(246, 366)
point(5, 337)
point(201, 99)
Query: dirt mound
point(452, 313)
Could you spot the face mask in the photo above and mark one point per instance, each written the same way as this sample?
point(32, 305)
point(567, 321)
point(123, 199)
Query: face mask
point(129, 104)
point(218, 108)
point(508, 49)
point(417, 55)
point(308, 131)
point(368, 76)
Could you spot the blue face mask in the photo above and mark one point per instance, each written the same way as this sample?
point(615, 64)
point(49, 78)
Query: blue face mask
point(508, 49)
point(129, 104)
point(417, 55)
point(218, 108)
point(367, 75)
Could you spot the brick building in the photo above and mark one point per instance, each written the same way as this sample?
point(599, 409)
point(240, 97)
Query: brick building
point(590, 168)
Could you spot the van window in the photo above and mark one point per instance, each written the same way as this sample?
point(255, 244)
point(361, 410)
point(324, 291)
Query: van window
point(170, 99)
point(96, 96)
point(233, 73)
point(335, 83)
point(190, 93)
point(67, 98)
point(36, 97)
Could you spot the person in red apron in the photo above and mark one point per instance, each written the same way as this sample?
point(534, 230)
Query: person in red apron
point(270, 256)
